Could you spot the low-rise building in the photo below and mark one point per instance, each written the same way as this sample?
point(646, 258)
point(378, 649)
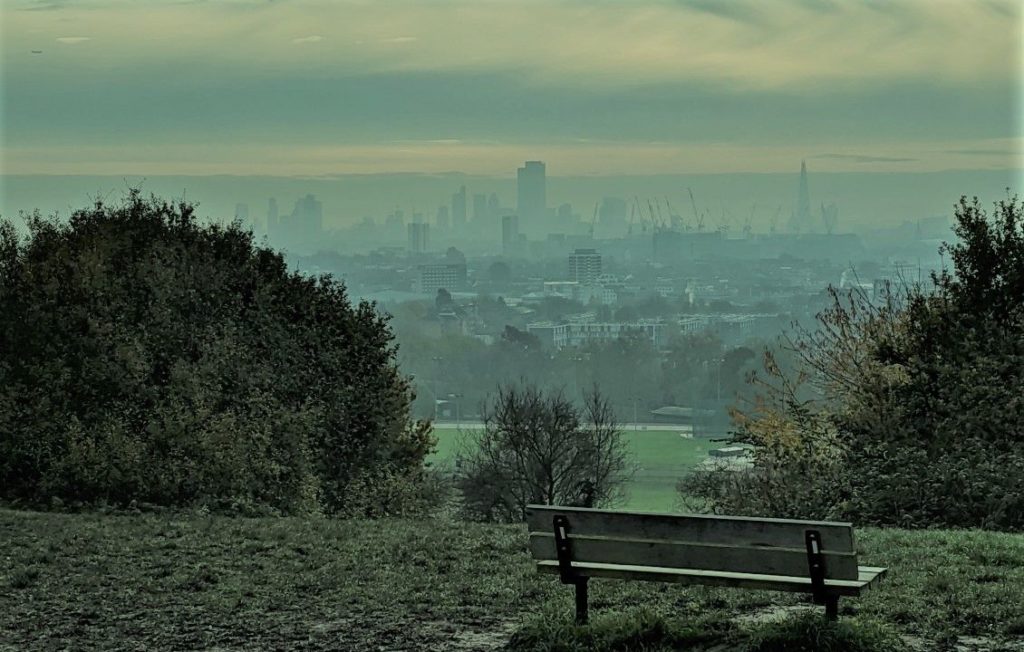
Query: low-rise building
point(578, 333)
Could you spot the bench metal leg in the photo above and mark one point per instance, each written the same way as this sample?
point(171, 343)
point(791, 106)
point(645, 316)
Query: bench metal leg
point(581, 600)
point(832, 608)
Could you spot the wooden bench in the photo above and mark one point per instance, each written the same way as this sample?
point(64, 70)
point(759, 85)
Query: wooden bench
point(816, 557)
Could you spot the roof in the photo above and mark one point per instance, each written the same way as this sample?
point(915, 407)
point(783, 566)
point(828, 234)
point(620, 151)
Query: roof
point(680, 411)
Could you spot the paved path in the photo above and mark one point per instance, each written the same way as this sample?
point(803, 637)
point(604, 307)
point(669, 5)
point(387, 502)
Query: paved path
point(477, 425)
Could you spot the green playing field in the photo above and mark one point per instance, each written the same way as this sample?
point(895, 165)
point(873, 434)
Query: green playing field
point(661, 457)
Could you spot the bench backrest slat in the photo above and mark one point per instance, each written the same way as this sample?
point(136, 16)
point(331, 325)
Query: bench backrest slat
point(736, 544)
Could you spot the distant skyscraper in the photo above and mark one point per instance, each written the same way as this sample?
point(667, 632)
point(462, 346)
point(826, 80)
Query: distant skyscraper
point(242, 213)
point(479, 207)
point(564, 214)
point(801, 220)
point(306, 224)
point(531, 196)
point(395, 219)
point(459, 208)
point(442, 217)
point(493, 207)
point(612, 211)
point(418, 237)
point(584, 266)
point(272, 218)
point(509, 233)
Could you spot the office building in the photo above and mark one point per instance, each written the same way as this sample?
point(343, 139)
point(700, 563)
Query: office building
point(441, 221)
point(450, 276)
point(479, 207)
point(584, 266)
point(509, 233)
point(418, 237)
point(531, 196)
point(459, 209)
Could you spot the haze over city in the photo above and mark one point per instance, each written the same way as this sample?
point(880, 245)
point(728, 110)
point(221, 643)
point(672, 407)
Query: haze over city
point(400, 325)
point(318, 90)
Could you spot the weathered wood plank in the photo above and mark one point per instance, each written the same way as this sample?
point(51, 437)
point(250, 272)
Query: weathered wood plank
point(867, 578)
point(699, 556)
point(697, 528)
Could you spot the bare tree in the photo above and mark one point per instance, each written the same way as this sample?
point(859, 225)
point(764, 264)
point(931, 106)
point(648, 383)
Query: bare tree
point(538, 447)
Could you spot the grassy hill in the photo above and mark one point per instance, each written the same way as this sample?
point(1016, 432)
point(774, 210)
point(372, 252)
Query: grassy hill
point(181, 581)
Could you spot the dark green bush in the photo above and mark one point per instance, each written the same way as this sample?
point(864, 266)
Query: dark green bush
point(146, 357)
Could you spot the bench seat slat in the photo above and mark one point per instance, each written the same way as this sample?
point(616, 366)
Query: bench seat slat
point(867, 577)
point(698, 556)
point(697, 528)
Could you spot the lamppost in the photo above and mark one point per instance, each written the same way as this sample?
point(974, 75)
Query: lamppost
point(720, 362)
point(458, 418)
point(437, 372)
point(577, 358)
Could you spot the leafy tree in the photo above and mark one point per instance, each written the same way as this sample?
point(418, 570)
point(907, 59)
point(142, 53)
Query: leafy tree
point(917, 417)
point(146, 357)
point(538, 448)
point(443, 301)
point(520, 339)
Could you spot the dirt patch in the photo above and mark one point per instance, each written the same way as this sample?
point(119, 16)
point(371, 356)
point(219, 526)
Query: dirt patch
point(482, 641)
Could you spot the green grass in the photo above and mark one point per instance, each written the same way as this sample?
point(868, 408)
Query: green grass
point(810, 633)
point(661, 458)
point(178, 581)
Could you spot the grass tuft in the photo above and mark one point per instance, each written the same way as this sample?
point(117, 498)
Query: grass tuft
point(24, 577)
point(812, 633)
point(639, 631)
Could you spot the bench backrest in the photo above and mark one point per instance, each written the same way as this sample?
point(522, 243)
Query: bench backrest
point(766, 546)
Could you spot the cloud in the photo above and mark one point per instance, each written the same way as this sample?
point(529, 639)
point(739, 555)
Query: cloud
point(432, 157)
point(860, 158)
point(312, 38)
point(982, 152)
point(792, 44)
point(71, 40)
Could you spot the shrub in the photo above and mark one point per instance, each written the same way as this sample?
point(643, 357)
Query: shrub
point(146, 357)
point(917, 417)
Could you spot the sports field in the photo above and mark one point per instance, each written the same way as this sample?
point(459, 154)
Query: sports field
point(661, 457)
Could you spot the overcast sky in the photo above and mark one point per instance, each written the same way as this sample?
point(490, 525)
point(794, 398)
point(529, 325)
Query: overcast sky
point(321, 88)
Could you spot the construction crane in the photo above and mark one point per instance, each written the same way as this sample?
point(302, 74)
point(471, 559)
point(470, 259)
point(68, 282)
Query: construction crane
point(640, 211)
point(593, 220)
point(657, 222)
point(698, 217)
point(775, 219)
point(677, 219)
point(723, 223)
point(830, 217)
point(747, 227)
